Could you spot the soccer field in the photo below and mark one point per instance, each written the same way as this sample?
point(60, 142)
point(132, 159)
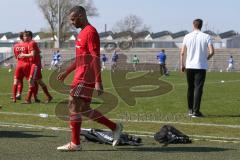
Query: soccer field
point(217, 134)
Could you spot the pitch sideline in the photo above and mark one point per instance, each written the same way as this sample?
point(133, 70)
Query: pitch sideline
point(134, 121)
point(140, 134)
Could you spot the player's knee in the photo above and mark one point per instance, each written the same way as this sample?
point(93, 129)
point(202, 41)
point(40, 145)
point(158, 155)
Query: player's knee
point(73, 105)
point(15, 81)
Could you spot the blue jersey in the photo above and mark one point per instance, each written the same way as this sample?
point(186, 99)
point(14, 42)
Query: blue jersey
point(54, 57)
point(230, 61)
point(103, 58)
point(161, 57)
point(114, 57)
point(58, 56)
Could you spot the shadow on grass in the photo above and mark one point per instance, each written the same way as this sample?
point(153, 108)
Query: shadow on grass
point(176, 149)
point(223, 116)
point(21, 134)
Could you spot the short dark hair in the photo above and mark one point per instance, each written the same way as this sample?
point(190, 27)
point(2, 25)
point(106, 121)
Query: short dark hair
point(28, 33)
point(163, 50)
point(78, 9)
point(197, 23)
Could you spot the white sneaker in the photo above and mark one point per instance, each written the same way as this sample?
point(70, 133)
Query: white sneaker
point(116, 134)
point(70, 147)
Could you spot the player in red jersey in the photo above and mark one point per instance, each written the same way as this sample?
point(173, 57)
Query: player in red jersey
point(87, 77)
point(22, 68)
point(35, 71)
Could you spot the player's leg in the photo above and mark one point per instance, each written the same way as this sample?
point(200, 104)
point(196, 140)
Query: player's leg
point(45, 90)
point(18, 74)
point(30, 74)
point(36, 92)
point(93, 114)
point(114, 66)
point(166, 72)
point(75, 122)
point(52, 64)
point(161, 69)
point(55, 63)
point(31, 90)
point(231, 67)
point(35, 75)
point(228, 68)
point(103, 65)
point(134, 66)
point(14, 90)
point(164, 69)
point(19, 89)
point(190, 92)
point(38, 77)
point(198, 91)
point(98, 117)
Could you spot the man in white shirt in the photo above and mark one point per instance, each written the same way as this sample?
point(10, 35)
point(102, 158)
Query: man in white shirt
point(196, 45)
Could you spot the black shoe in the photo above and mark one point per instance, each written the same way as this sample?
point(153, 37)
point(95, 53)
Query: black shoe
point(18, 97)
point(37, 101)
point(197, 115)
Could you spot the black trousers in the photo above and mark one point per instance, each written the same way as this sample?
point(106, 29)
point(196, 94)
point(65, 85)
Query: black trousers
point(163, 69)
point(195, 80)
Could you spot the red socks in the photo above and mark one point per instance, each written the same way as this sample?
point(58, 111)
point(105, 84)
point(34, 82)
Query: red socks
point(20, 87)
point(98, 117)
point(75, 125)
point(31, 91)
point(14, 90)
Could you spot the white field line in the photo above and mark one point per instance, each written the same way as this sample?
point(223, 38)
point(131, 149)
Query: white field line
point(133, 121)
point(219, 82)
point(138, 133)
point(182, 123)
point(109, 88)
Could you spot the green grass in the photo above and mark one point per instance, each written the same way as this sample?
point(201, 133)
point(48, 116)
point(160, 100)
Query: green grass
point(220, 102)
point(220, 105)
point(21, 144)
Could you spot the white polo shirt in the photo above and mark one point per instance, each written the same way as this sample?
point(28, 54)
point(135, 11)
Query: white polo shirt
point(197, 49)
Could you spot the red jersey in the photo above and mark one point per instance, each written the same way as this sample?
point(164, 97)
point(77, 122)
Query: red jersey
point(18, 48)
point(32, 46)
point(87, 61)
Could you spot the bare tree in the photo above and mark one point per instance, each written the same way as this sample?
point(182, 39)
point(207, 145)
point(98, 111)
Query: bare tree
point(131, 23)
point(49, 9)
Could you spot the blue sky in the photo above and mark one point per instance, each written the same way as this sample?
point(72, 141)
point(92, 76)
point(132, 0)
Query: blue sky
point(172, 15)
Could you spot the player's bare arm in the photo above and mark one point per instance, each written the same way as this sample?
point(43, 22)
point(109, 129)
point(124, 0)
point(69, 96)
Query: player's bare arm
point(99, 88)
point(62, 76)
point(211, 51)
point(183, 50)
point(22, 55)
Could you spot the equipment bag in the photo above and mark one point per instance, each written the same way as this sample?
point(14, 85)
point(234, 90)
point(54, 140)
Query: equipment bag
point(106, 137)
point(170, 135)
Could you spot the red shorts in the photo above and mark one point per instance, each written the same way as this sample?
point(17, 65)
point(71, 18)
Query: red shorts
point(83, 91)
point(22, 70)
point(36, 72)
